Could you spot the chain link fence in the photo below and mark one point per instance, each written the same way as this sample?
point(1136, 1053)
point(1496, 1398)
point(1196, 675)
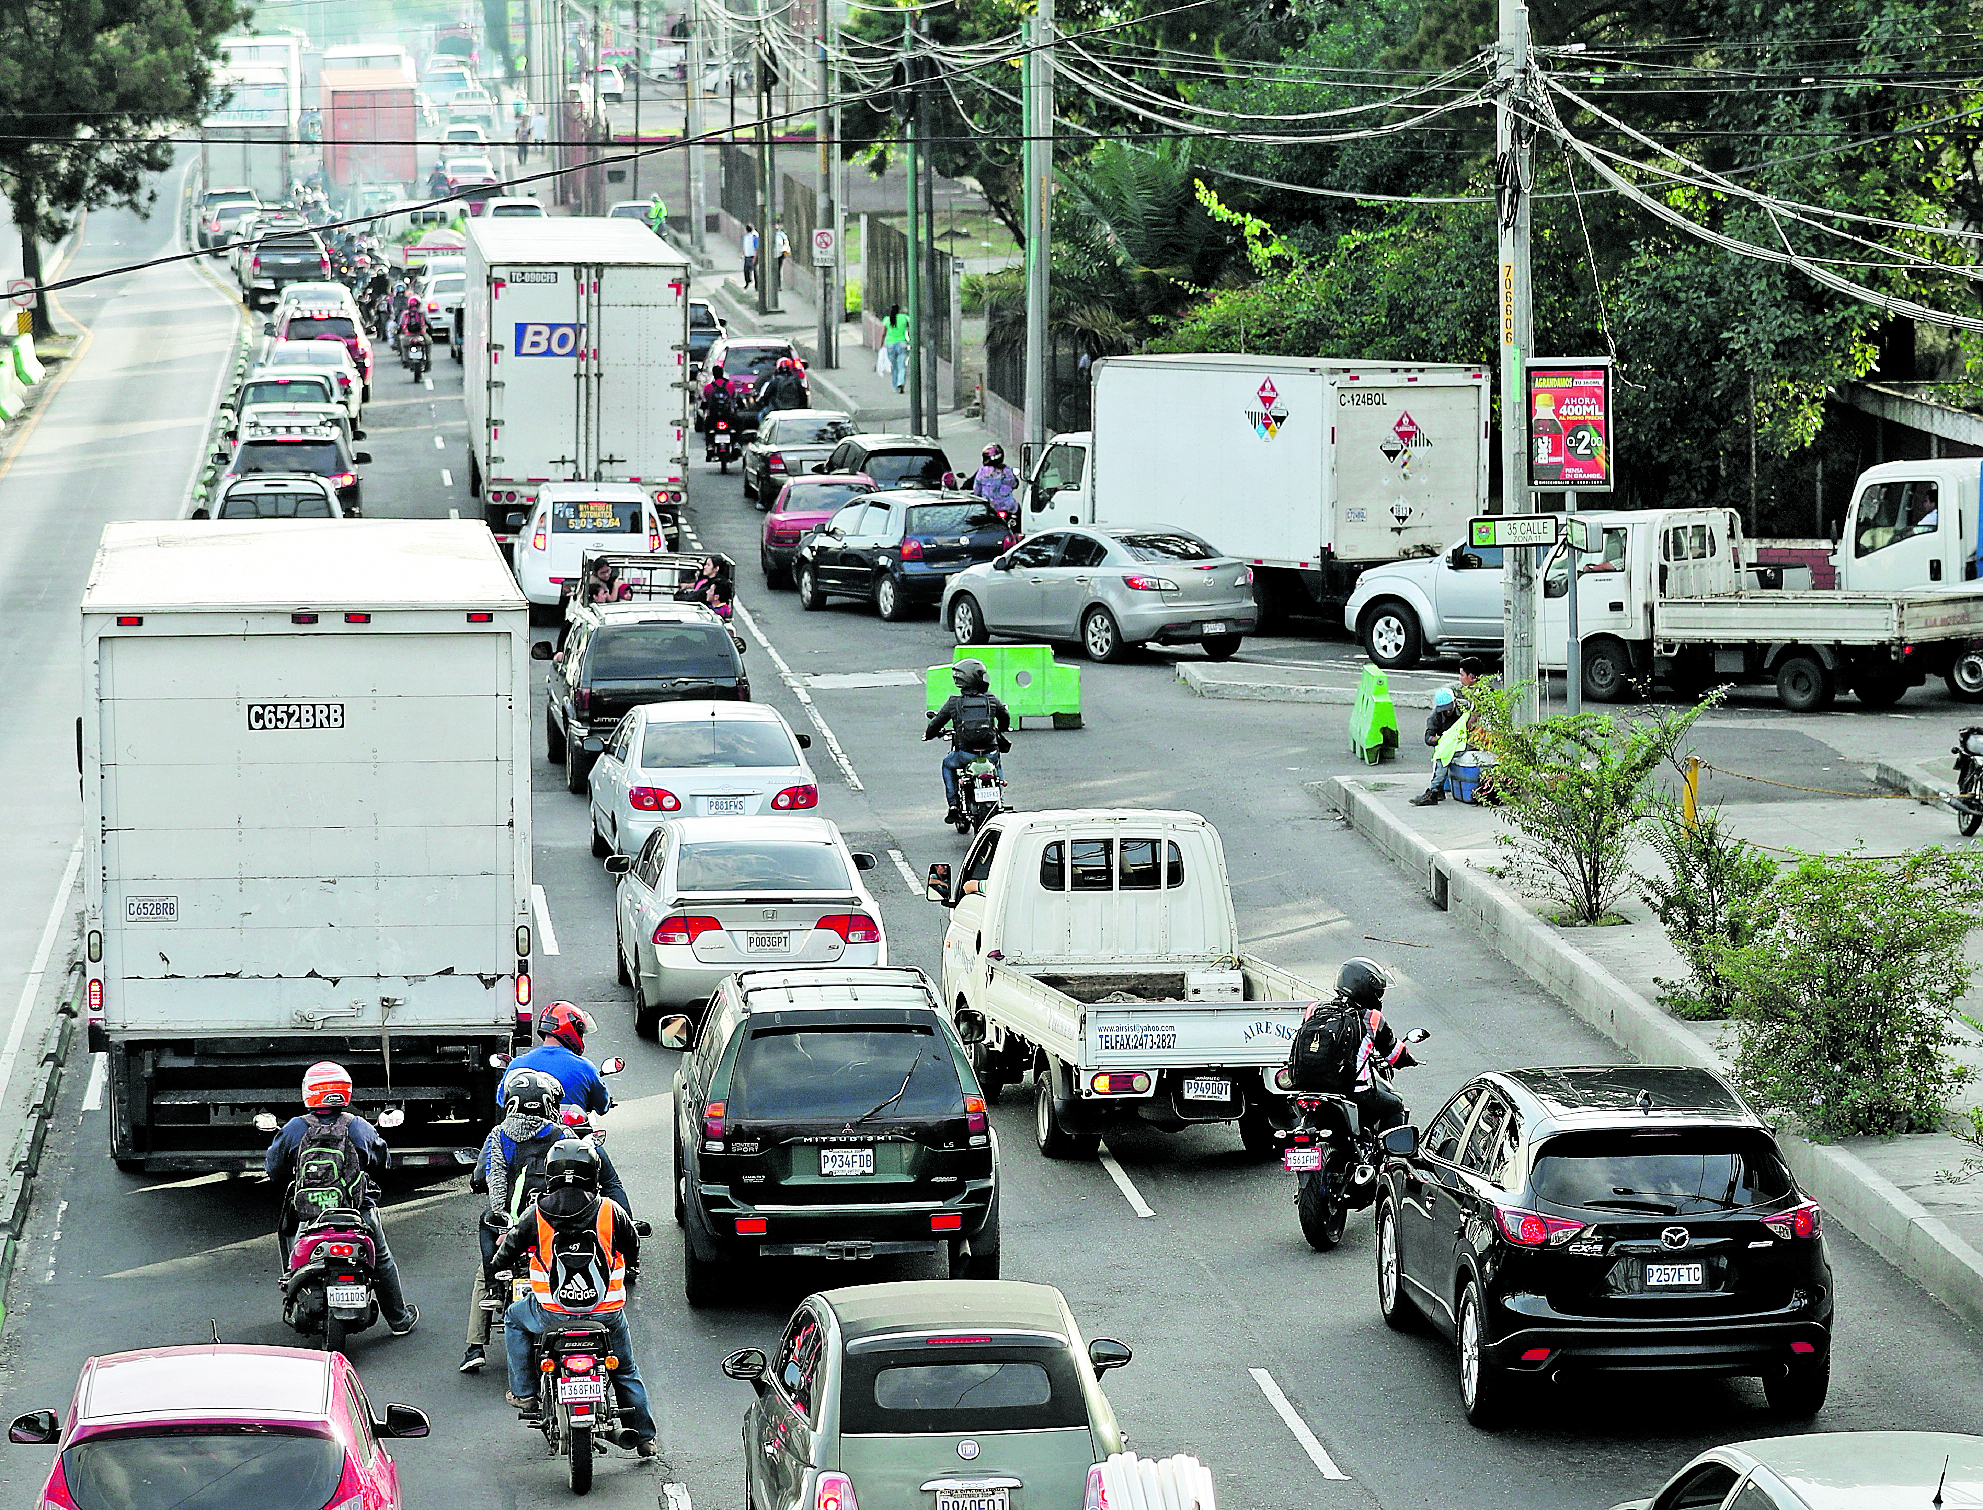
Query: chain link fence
point(887, 284)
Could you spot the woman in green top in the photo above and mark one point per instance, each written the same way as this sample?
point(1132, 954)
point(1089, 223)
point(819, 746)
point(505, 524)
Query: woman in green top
point(895, 345)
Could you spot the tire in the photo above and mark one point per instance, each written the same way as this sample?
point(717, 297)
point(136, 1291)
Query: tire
point(1391, 635)
point(775, 577)
point(889, 600)
point(1803, 685)
point(1607, 670)
point(1799, 1391)
point(1100, 637)
point(1967, 822)
point(1322, 1220)
point(600, 848)
point(988, 1082)
point(811, 598)
point(474, 473)
point(1880, 691)
point(982, 1262)
point(1256, 1133)
point(1691, 675)
point(967, 621)
point(1221, 647)
point(554, 740)
point(703, 1284)
point(334, 1334)
point(723, 465)
point(681, 1187)
point(579, 1460)
point(1484, 1388)
point(646, 1017)
point(1052, 1139)
point(1965, 677)
point(620, 971)
point(1397, 1309)
point(577, 768)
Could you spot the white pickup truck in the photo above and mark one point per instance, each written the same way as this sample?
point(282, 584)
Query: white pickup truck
point(1097, 951)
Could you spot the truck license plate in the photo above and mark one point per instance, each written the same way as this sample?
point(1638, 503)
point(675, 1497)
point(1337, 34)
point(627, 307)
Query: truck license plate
point(346, 1296)
point(846, 1161)
point(1216, 626)
point(768, 943)
point(1208, 1090)
point(581, 1391)
point(719, 807)
point(974, 1499)
point(1680, 1275)
point(1300, 1160)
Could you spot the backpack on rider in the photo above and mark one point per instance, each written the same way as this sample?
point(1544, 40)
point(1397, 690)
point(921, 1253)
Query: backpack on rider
point(975, 724)
point(1323, 1054)
point(330, 1172)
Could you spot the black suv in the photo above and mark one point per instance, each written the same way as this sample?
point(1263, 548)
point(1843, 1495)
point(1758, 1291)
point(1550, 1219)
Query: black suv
point(893, 461)
point(829, 1114)
point(1623, 1218)
point(620, 655)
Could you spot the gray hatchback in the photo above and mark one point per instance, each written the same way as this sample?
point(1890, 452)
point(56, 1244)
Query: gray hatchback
point(1109, 587)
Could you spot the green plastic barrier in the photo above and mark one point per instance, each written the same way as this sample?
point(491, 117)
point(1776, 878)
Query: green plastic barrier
point(1373, 721)
point(13, 396)
point(27, 366)
point(1023, 677)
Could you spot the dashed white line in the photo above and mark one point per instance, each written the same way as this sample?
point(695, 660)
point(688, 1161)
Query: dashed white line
point(99, 1072)
point(429, 382)
point(447, 481)
point(675, 1497)
point(1122, 1182)
point(1317, 1453)
point(908, 875)
point(55, 1238)
point(440, 444)
point(546, 935)
point(791, 680)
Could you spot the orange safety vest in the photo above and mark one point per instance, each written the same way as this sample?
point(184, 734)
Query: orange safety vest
point(579, 1284)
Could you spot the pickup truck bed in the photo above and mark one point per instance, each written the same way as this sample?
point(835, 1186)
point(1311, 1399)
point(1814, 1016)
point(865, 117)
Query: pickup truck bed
point(1822, 618)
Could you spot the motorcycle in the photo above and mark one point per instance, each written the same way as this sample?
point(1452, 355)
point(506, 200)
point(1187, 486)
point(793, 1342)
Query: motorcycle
point(576, 1407)
point(722, 444)
point(1968, 805)
point(980, 792)
point(1335, 1157)
point(416, 356)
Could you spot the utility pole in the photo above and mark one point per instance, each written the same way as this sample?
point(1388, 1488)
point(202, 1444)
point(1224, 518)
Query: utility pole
point(633, 70)
point(1514, 299)
point(692, 124)
point(1036, 159)
point(767, 263)
point(912, 135)
point(826, 285)
point(925, 252)
point(838, 182)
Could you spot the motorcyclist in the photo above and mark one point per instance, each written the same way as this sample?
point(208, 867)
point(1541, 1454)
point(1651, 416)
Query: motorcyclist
point(1361, 982)
point(784, 389)
point(977, 722)
point(997, 483)
point(524, 1137)
point(328, 1122)
point(412, 325)
point(570, 1276)
point(560, 1053)
point(396, 307)
point(719, 402)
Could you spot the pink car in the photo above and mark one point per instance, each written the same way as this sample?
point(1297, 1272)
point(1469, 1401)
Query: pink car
point(209, 1428)
point(804, 504)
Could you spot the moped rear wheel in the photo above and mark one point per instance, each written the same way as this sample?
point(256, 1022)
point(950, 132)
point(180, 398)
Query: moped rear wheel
point(580, 1470)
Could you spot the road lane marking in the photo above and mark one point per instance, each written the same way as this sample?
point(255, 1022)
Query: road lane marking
point(57, 910)
point(218, 1177)
point(1129, 1192)
point(1317, 1453)
point(546, 934)
point(99, 1072)
point(447, 481)
point(440, 444)
point(908, 876)
point(429, 382)
point(195, 1260)
point(53, 1250)
point(805, 698)
point(842, 681)
point(675, 1497)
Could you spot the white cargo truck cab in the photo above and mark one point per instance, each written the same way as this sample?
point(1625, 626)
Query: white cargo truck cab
point(575, 345)
point(1097, 951)
point(306, 790)
point(1308, 470)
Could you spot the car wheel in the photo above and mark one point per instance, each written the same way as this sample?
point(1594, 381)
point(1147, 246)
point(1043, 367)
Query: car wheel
point(1399, 1313)
point(554, 740)
point(888, 599)
point(1803, 685)
point(775, 576)
point(1221, 647)
point(577, 768)
point(1483, 1385)
point(1800, 1390)
point(703, 1283)
point(967, 621)
point(1256, 1132)
point(1391, 636)
point(600, 848)
point(1100, 637)
point(1054, 1140)
point(810, 597)
point(681, 1183)
point(1607, 670)
point(646, 1017)
point(977, 1258)
point(620, 971)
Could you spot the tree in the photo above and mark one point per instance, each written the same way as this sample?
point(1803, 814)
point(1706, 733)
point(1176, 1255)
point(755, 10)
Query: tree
point(90, 90)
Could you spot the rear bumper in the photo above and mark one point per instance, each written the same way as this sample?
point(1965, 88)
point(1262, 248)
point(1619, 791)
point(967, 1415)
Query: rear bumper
point(672, 975)
point(837, 1231)
point(1760, 1348)
point(1186, 626)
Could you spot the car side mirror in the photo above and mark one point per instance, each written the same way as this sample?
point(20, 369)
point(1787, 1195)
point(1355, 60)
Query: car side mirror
point(513, 521)
point(746, 1365)
point(612, 1066)
point(1456, 556)
point(678, 1033)
point(738, 640)
point(201, 514)
point(267, 1122)
point(863, 860)
point(402, 1422)
point(357, 434)
point(819, 466)
point(937, 887)
point(1105, 1353)
point(1400, 1142)
point(618, 865)
point(970, 1029)
point(542, 651)
point(362, 458)
point(38, 1428)
point(805, 741)
point(1004, 563)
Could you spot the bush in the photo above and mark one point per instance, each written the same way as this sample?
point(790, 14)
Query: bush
point(1707, 902)
point(1846, 991)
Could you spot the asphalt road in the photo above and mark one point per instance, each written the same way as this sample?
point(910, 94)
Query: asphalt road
point(1216, 1284)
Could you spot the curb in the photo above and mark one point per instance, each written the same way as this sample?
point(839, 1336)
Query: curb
point(32, 1141)
point(1213, 686)
point(1899, 779)
point(1876, 1211)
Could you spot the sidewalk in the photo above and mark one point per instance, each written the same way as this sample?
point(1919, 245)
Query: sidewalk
point(1885, 1191)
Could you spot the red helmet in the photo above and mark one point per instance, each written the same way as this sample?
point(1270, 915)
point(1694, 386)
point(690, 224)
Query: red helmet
point(326, 1087)
point(566, 1024)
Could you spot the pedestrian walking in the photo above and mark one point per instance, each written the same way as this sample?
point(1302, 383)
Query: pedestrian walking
point(657, 215)
point(750, 255)
point(781, 246)
point(523, 141)
point(895, 345)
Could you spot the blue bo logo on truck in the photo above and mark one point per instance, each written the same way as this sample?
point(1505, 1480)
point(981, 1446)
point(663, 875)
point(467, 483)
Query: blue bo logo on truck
point(538, 339)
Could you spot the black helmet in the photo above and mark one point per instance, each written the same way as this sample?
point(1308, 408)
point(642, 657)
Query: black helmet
point(971, 676)
point(572, 1161)
point(1362, 981)
point(532, 1093)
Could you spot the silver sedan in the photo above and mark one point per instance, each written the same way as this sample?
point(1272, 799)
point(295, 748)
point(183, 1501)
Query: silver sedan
point(1108, 587)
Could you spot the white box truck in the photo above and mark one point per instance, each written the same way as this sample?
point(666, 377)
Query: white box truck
point(575, 340)
point(1310, 470)
point(305, 755)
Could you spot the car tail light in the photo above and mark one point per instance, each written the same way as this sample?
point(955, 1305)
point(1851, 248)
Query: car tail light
point(912, 550)
point(654, 538)
point(712, 1121)
point(853, 927)
point(782, 536)
point(682, 929)
point(323, 266)
point(956, 1341)
point(796, 797)
point(344, 380)
point(947, 1221)
point(774, 463)
point(345, 480)
point(129, 620)
point(1529, 1229)
point(540, 540)
point(654, 799)
point(835, 1491)
point(581, 702)
point(1800, 1221)
point(433, 308)
point(752, 1226)
point(257, 267)
point(1097, 1497)
point(1150, 584)
point(1803, 1347)
point(1120, 1084)
point(1245, 577)
point(579, 1363)
point(974, 1114)
point(1535, 1354)
point(1009, 540)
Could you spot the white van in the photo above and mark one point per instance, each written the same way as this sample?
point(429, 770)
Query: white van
point(570, 518)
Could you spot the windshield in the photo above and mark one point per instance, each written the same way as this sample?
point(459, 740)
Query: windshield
point(309, 354)
point(261, 505)
point(975, 1384)
point(701, 316)
point(204, 1471)
point(894, 469)
point(798, 430)
point(451, 284)
point(285, 391)
point(718, 742)
point(233, 211)
point(840, 1074)
point(954, 519)
point(1165, 545)
point(760, 361)
point(761, 865)
point(1661, 1173)
point(318, 456)
point(656, 652)
point(595, 516)
point(320, 328)
point(822, 498)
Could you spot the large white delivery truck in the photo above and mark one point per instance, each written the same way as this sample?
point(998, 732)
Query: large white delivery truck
point(575, 340)
point(305, 753)
point(1310, 470)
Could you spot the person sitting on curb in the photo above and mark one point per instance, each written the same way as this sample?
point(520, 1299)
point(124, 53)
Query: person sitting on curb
point(1447, 731)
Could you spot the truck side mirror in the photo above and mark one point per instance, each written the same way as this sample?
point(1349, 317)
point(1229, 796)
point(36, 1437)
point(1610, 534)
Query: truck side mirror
point(513, 521)
point(541, 650)
point(937, 887)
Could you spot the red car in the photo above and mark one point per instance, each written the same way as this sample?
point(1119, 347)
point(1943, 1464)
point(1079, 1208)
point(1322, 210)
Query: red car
point(804, 504)
point(275, 1428)
point(312, 323)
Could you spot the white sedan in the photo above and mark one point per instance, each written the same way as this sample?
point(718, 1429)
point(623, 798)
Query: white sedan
point(696, 760)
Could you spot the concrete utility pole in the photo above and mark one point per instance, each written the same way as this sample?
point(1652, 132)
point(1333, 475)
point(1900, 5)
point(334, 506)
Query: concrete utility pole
point(633, 76)
point(1036, 159)
point(1514, 298)
point(827, 286)
point(767, 185)
point(934, 297)
point(912, 129)
point(692, 124)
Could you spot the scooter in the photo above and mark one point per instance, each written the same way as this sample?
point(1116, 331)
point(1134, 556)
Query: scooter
point(722, 444)
point(1968, 805)
point(980, 794)
point(1335, 1158)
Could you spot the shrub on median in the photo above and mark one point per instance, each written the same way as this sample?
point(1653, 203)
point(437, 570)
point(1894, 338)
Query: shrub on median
point(1707, 901)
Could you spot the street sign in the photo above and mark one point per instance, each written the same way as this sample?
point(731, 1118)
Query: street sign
point(1490, 530)
point(825, 245)
point(20, 293)
point(1571, 445)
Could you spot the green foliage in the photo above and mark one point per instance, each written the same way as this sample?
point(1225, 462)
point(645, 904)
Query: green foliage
point(1706, 900)
point(1846, 991)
